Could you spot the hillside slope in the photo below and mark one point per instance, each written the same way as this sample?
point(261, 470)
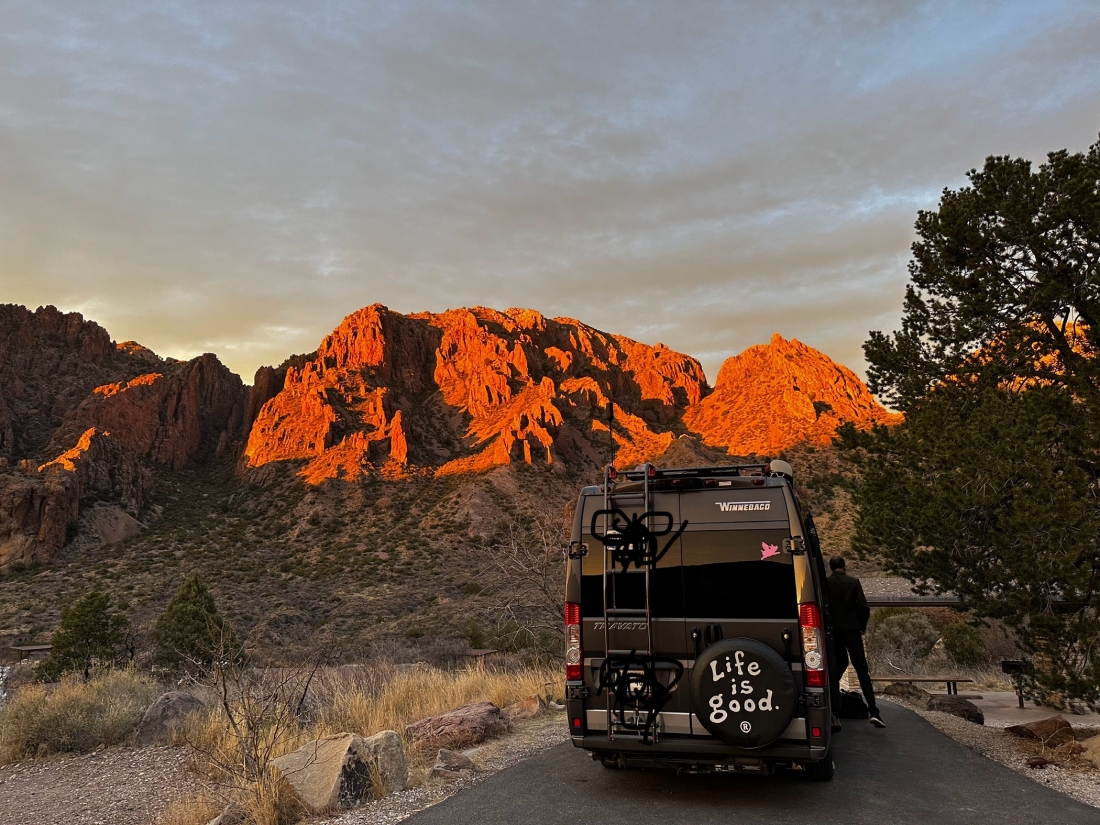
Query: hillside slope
point(359, 489)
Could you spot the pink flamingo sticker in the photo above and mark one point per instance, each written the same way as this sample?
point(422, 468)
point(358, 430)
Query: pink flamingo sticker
point(768, 551)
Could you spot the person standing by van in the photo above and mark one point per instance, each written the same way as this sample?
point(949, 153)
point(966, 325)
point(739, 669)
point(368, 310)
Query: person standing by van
point(850, 613)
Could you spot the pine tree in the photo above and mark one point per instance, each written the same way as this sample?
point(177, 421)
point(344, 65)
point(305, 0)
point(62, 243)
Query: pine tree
point(89, 635)
point(191, 633)
point(991, 487)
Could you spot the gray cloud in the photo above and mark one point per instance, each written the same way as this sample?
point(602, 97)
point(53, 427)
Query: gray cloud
point(238, 177)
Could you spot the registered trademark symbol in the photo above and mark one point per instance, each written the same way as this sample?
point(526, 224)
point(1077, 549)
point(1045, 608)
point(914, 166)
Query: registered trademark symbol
point(745, 727)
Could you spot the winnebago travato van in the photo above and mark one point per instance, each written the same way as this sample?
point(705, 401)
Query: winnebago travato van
point(697, 623)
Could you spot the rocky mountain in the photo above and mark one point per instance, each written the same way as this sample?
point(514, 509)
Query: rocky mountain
point(360, 492)
point(85, 423)
point(82, 419)
point(773, 396)
point(464, 391)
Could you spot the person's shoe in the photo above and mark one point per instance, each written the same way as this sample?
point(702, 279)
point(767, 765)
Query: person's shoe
point(877, 721)
point(836, 724)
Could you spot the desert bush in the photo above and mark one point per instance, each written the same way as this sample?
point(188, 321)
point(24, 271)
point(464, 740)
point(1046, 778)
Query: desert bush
point(74, 715)
point(529, 573)
point(964, 645)
point(900, 637)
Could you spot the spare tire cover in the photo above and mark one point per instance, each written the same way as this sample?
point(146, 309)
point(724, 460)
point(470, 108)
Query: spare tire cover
point(743, 692)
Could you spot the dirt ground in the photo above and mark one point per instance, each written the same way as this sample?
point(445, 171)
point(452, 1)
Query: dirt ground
point(113, 786)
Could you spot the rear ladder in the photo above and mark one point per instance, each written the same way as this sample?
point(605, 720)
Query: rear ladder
point(612, 611)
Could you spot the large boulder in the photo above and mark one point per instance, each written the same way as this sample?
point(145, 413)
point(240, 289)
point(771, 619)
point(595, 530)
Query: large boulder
point(339, 771)
point(388, 756)
point(458, 728)
point(449, 764)
point(957, 706)
point(1052, 731)
point(909, 693)
point(165, 715)
point(1091, 750)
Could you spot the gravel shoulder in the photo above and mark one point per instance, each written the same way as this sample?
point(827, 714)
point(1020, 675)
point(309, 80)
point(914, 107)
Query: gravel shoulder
point(527, 738)
point(113, 786)
point(1079, 781)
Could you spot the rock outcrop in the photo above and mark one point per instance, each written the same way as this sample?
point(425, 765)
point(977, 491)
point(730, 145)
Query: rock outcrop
point(464, 391)
point(190, 411)
point(338, 771)
point(1052, 731)
point(773, 396)
point(49, 362)
point(471, 389)
point(162, 718)
point(387, 394)
point(458, 728)
point(957, 706)
point(38, 505)
point(82, 418)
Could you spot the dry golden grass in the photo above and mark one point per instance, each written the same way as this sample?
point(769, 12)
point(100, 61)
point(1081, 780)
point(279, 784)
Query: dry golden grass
point(401, 697)
point(193, 810)
point(74, 715)
point(360, 699)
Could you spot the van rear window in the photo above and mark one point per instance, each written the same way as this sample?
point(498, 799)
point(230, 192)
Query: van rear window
point(738, 574)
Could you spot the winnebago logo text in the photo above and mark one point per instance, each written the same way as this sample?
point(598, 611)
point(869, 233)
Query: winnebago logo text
point(741, 506)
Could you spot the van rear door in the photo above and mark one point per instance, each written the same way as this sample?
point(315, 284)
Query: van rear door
point(738, 580)
point(625, 632)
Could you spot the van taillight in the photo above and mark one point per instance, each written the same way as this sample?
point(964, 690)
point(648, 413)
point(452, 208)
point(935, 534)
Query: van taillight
point(572, 642)
point(813, 645)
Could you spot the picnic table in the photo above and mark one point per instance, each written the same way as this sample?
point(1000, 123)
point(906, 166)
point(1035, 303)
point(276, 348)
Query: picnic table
point(952, 682)
point(31, 651)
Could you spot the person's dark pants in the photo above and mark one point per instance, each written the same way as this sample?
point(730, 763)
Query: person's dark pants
point(849, 645)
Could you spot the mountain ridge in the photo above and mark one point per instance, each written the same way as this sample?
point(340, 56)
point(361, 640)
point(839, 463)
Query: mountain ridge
point(84, 421)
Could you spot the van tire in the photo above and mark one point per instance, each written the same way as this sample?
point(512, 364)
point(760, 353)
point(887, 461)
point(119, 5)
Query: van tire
point(820, 771)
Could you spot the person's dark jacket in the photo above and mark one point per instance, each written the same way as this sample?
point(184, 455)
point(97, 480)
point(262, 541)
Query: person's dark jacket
point(847, 603)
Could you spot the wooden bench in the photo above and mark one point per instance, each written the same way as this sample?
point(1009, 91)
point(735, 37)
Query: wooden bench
point(952, 682)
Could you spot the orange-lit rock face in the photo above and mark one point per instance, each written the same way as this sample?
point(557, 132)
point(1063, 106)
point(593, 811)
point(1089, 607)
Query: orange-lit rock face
point(783, 393)
point(172, 417)
point(37, 507)
point(467, 390)
point(79, 415)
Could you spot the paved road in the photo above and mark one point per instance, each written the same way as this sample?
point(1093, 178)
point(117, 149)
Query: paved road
point(908, 773)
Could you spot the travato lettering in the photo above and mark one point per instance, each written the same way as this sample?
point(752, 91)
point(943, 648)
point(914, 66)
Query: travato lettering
point(742, 506)
point(621, 626)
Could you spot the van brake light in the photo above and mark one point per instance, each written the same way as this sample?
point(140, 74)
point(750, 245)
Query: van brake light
point(813, 644)
point(572, 642)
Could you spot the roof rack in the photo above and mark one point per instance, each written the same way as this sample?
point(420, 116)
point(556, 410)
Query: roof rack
point(640, 473)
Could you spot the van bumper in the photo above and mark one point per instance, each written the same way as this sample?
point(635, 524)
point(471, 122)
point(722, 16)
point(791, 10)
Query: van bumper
point(677, 751)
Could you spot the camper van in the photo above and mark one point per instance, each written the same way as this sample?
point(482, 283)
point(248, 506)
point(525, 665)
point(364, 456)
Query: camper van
point(697, 623)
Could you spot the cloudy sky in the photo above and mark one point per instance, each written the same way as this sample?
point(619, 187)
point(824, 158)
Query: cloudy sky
point(237, 177)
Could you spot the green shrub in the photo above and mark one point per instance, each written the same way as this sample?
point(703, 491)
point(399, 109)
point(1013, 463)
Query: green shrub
point(89, 635)
point(75, 714)
point(904, 635)
point(964, 645)
point(475, 636)
point(191, 633)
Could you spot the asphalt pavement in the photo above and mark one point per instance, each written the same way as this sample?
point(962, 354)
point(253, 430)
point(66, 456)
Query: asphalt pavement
point(908, 773)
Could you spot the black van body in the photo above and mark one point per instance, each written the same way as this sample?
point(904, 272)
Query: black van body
point(739, 579)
